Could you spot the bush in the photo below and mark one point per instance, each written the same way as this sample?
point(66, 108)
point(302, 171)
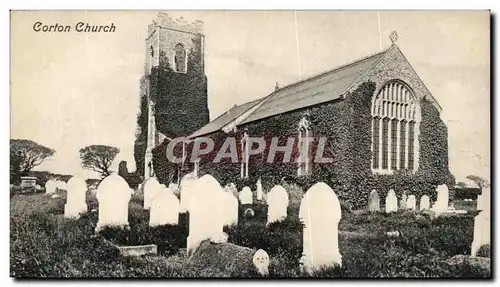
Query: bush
point(484, 251)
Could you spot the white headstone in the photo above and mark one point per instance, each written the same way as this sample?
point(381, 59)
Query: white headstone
point(206, 213)
point(441, 204)
point(246, 195)
point(151, 187)
point(231, 208)
point(164, 208)
point(403, 202)
point(232, 188)
point(261, 262)
point(174, 188)
point(424, 202)
point(186, 187)
point(320, 213)
point(50, 186)
point(75, 198)
point(260, 192)
point(411, 203)
point(482, 222)
point(374, 201)
point(113, 195)
point(277, 202)
point(391, 202)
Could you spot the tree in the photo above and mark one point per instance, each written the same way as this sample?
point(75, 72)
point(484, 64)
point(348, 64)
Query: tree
point(98, 158)
point(481, 182)
point(461, 184)
point(25, 155)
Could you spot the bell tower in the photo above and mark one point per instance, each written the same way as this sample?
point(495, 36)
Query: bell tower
point(175, 82)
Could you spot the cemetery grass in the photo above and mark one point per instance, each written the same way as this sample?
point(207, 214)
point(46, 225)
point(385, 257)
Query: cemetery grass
point(44, 244)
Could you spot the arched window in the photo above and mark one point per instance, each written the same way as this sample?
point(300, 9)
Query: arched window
point(304, 160)
point(395, 123)
point(180, 59)
point(245, 155)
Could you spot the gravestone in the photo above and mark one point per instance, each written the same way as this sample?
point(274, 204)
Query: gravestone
point(186, 187)
point(391, 202)
point(175, 189)
point(411, 203)
point(424, 202)
point(206, 213)
point(374, 201)
point(231, 206)
point(277, 202)
point(441, 204)
point(50, 186)
point(248, 213)
point(75, 198)
point(260, 192)
point(232, 188)
point(246, 195)
point(482, 222)
point(164, 208)
point(151, 187)
point(113, 195)
point(261, 262)
point(320, 214)
point(403, 201)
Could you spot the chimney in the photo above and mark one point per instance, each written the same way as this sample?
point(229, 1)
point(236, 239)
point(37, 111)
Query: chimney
point(277, 86)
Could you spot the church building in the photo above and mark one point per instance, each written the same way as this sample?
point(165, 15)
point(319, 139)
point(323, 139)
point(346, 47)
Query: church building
point(382, 123)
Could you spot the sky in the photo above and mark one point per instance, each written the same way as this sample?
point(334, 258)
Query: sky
point(70, 90)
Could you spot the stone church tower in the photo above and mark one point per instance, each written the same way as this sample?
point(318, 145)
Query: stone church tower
point(174, 84)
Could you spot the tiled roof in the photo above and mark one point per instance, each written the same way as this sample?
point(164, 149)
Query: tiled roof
point(318, 89)
point(224, 119)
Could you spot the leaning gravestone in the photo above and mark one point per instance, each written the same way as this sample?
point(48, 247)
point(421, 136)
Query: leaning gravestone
point(320, 213)
point(424, 202)
point(277, 201)
point(374, 201)
point(186, 187)
point(75, 198)
point(50, 187)
point(482, 222)
point(113, 195)
point(391, 202)
point(231, 206)
point(246, 196)
point(260, 192)
point(151, 187)
point(441, 204)
point(164, 208)
point(411, 203)
point(206, 216)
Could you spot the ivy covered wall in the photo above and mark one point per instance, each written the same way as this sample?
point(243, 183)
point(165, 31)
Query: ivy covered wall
point(347, 124)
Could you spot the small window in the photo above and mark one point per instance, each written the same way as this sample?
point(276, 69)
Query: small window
point(245, 155)
point(180, 59)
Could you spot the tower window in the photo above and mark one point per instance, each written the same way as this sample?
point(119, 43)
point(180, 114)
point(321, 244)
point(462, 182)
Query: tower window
point(180, 59)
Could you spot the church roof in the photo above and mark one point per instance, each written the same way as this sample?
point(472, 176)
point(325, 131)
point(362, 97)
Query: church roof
point(324, 87)
point(224, 119)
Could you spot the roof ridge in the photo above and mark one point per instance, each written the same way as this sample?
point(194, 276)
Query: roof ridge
point(355, 61)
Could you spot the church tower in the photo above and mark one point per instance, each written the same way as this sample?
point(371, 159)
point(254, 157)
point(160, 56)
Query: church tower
point(175, 84)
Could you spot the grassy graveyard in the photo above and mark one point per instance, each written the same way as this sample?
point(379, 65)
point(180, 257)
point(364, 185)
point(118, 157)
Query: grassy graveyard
point(44, 244)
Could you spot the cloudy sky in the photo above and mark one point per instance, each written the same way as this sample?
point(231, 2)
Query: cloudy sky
point(69, 90)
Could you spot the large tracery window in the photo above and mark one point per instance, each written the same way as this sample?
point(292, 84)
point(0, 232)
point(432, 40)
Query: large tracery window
point(395, 122)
